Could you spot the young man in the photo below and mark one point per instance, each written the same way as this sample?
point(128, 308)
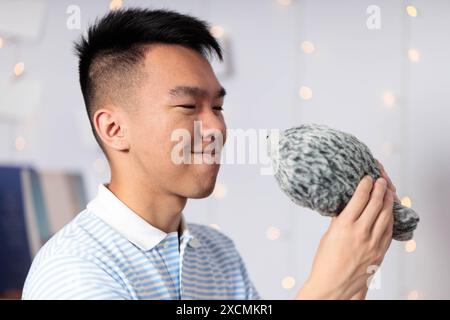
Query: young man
point(145, 74)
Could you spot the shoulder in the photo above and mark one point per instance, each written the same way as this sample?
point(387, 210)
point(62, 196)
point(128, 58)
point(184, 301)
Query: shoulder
point(79, 237)
point(64, 276)
point(73, 259)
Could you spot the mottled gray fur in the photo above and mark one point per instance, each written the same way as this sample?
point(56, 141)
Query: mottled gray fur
point(320, 168)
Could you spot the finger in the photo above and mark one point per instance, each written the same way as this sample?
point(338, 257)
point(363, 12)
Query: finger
point(386, 239)
point(374, 205)
point(385, 175)
point(389, 181)
point(387, 236)
point(391, 186)
point(359, 200)
point(386, 216)
point(379, 165)
point(396, 198)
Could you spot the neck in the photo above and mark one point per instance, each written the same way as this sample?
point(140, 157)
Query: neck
point(160, 209)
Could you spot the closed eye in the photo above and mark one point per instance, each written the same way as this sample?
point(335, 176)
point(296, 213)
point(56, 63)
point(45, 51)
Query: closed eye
point(186, 106)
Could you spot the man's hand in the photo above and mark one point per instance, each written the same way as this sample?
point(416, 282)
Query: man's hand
point(356, 239)
point(361, 295)
point(391, 186)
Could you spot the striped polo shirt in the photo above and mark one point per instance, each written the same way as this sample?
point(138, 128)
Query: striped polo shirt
point(109, 252)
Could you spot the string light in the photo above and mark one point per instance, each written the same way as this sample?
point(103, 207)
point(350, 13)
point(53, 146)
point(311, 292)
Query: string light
point(307, 47)
point(220, 191)
point(115, 4)
point(215, 226)
point(217, 31)
point(414, 55)
point(411, 11)
point(410, 246)
point(288, 282)
point(389, 99)
point(413, 295)
point(19, 68)
point(285, 3)
point(272, 233)
point(406, 201)
point(20, 143)
point(305, 93)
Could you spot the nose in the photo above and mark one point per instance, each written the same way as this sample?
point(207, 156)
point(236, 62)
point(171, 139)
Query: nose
point(211, 121)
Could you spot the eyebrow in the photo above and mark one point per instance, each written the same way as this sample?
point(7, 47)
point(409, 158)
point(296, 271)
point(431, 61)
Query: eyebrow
point(195, 92)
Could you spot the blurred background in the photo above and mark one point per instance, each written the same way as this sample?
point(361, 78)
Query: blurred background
point(378, 69)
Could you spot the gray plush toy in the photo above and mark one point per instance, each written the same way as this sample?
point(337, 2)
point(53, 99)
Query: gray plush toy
point(320, 168)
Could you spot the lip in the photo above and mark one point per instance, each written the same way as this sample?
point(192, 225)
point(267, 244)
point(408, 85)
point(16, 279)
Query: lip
point(212, 153)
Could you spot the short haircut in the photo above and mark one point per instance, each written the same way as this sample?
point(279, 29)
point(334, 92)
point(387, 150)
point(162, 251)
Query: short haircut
point(114, 48)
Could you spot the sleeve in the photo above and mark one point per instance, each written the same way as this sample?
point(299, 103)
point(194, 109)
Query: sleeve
point(72, 278)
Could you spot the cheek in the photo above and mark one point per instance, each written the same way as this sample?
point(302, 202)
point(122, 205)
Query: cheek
point(175, 139)
point(149, 136)
point(154, 137)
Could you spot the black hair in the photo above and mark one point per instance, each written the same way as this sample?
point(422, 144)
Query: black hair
point(117, 42)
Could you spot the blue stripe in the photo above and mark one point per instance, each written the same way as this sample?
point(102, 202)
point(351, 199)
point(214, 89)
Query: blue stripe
point(88, 259)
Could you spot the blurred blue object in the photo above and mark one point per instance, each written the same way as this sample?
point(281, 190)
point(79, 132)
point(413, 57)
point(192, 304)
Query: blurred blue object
point(15, 255)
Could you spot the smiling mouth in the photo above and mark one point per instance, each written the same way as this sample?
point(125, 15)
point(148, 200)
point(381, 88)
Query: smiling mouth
point(212, 153)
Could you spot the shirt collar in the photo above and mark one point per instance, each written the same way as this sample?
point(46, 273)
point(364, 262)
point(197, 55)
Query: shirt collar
point(129, 224)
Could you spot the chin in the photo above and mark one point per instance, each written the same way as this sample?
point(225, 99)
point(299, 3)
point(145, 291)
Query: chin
point(203, 188)
point(202, 191)
point(201, 194)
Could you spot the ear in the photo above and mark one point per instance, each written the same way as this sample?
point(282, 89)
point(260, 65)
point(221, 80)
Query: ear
point(111, 129)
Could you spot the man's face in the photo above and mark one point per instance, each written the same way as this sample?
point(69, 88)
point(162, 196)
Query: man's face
point(180, 88)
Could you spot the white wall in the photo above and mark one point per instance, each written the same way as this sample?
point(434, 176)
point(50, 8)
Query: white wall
point(349, 72)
